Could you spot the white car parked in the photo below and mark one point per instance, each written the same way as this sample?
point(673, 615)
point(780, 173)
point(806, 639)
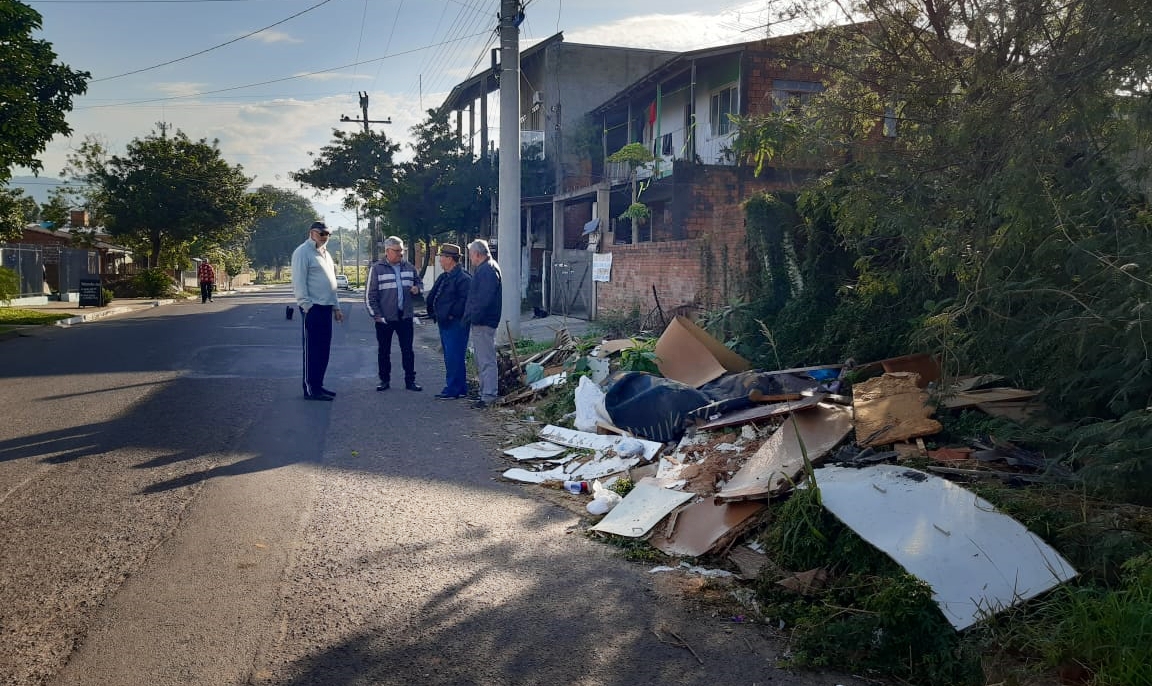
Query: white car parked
point(342, 282)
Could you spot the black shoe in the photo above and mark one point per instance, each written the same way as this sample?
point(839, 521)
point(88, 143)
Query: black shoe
point(413, 386)
point(325, 391)
point(448, 396)
point(318, 396)
point(479, 405)
point(384, 385)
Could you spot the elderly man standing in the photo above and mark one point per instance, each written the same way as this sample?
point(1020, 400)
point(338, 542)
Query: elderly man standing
point(314, 285)
point(446, 303)
point(391, 284)
point(483, 316)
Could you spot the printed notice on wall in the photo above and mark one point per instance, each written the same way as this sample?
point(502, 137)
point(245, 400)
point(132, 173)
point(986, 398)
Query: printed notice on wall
point(602, 267)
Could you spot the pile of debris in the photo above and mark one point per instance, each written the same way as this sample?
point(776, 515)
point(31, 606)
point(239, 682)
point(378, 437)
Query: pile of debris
point(709, 443)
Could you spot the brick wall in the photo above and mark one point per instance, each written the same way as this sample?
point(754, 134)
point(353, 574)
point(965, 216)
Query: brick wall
point(707, 267)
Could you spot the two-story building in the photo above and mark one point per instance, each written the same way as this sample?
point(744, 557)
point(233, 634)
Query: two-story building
point(560, 82)
point(692, 250)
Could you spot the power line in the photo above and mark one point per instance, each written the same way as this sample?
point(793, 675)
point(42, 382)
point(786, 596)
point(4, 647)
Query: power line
point(214, 47)
point(271, 81)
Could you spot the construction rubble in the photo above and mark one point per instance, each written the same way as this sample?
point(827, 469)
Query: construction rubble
point(707, 445)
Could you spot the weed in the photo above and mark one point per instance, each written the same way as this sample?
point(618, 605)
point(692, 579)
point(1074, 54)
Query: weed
point(1105, 633)
point(641, 357)
point(635, 549)
point(622, 486)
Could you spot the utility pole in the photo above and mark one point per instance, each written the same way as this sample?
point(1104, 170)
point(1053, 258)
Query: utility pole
point(366, 121)
point(508, 210)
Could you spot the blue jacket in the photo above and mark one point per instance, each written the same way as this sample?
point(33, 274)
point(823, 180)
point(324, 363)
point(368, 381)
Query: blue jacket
point(381, 295)
point(448, 297)
point(484, 296)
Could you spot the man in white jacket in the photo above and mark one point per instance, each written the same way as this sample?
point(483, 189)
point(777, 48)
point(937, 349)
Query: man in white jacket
point(314, 285)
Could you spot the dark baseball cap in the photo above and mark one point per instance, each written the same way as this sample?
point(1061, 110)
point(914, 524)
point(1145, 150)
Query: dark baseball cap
point(318, 225)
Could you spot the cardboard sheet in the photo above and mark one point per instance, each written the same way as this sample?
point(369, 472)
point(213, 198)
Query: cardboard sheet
point(892, 408)
point(690, 355)
point(530, 477)
point(597, 442)
point(700, 526)
point(780, 460)
point(540, 450)
point(977, 560)
point(640, 510)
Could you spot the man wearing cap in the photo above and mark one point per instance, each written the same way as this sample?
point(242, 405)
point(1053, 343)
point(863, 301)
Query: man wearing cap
point(482, 313)
point(314, 285)
point(446, 303)
point(391, 284)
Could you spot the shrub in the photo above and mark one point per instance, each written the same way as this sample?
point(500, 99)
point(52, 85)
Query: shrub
point(107, 294)
point(9, 285)
point(153, 283)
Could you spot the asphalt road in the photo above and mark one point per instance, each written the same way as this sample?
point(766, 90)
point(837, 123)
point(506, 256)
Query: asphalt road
point(173, 512)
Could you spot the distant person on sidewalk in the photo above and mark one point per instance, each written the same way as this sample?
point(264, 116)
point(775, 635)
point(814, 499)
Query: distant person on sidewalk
point(206, 273)
point(314, 285)
point(392, 282)
point(446, 303)
point(482, 313)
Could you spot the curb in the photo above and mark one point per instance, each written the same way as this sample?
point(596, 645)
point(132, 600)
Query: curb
point(110, 312)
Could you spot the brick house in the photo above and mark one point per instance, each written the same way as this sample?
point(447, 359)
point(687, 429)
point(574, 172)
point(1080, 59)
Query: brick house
point(560, 82)
point(692, 252)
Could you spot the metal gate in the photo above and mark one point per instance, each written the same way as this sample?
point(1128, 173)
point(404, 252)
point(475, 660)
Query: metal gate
point(570, 293)
point(28, 264)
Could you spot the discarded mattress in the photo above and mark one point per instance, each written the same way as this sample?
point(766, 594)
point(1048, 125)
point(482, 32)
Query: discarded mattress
point(977, 560)
point(651, 406)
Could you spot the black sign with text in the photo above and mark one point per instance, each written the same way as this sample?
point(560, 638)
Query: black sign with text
point(91, 293)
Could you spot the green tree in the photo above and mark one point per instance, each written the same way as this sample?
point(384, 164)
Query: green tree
point(11, 213)
point(82, 187)
point(635, 155)
point(35, 95)
point(276, 234)
point(56, 209)
point(359, 162)
point(443, 189)
point(168, 191)
point(1006, 221)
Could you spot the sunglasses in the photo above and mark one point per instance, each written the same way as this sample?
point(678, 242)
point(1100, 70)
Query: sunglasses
point(323, 233)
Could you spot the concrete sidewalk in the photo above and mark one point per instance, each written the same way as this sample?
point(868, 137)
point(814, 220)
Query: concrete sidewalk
point(80, 315)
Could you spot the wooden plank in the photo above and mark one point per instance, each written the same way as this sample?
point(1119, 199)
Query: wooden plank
point(986, 395)
point(753, 414)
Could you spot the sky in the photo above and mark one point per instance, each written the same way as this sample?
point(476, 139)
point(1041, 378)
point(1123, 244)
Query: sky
point(270, 79)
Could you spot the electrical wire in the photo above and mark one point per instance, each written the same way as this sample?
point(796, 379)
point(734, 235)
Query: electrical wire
point(214, 47)
point(271, 81)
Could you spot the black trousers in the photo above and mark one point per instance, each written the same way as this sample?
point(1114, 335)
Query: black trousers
point(403, 330)
point(317, 346)
point(206, 291)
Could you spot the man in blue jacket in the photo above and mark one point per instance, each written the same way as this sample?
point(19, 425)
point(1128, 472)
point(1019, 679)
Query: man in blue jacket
point(446, 303)
point(391, 284)
point(483, 316)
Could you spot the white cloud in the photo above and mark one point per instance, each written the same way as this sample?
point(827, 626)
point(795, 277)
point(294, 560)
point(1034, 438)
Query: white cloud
point(271, 36)
point(180, 88)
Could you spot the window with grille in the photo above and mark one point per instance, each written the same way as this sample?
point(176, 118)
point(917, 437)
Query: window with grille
point(724, 103)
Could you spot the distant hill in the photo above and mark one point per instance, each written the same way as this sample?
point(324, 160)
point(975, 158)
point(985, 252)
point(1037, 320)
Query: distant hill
point(36, 186)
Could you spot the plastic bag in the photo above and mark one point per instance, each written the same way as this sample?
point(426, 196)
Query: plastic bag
point(589, 405)
point(603, 499)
